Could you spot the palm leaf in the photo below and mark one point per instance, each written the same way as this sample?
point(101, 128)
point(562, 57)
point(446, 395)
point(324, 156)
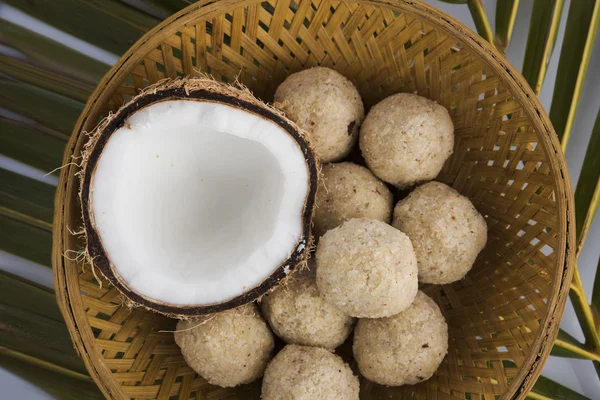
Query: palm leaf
point(47, 108)
point(25, 240)
point(26, 217)
point(567, 346)
point(38, 336)
point(587, 192)
point(585, 314)
point(48, 64)
point(596, 295)
point(160, 9)
point(61, 384)
point(18, 292)
point(33, 330)
point(546, 389)
point(506, 13)
point(107, 24)
point(28, 197)
point(481, 20)
point(32, 144)
point(580, 34)
point(545, 18)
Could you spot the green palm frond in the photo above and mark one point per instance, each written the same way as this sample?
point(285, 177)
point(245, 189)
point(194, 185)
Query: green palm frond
point(32, 143)
point(567, 346)
point(545, 18)
point(58, 382)
point(109, 24)
point(49, 65)
point(596, 298)
point(580, 34)
point(160, 8)
point(26, 200)
point(482, 22)
point(506, 13)
point(587, 192)
point(545, 389)
point(47, 108)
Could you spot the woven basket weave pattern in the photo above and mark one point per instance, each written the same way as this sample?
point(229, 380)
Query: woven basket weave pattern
point(495, 314)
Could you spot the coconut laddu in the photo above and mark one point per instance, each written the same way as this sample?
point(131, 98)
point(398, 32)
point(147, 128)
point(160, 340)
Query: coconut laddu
point(327, 106)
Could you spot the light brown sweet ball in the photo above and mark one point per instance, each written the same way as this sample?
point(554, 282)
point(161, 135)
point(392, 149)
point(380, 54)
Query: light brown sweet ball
point(307, 373)
point(404, 349)
point(406, 139)
point(298, 314)
point(347, 191)
point(227, 349)
point(367, 269)
point(446, 230)
point(326, 105)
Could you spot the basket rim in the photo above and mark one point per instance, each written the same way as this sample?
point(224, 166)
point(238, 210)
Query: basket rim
point(67, 286)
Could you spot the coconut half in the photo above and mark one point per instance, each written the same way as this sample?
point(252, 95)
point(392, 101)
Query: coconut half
point(197, 197)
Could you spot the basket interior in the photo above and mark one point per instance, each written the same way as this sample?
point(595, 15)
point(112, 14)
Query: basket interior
point(494, 313)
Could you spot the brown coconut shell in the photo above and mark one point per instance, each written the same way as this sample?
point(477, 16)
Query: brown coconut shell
point(197, 89)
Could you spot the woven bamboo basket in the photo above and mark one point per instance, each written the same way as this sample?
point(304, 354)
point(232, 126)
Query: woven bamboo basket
point(503, 316)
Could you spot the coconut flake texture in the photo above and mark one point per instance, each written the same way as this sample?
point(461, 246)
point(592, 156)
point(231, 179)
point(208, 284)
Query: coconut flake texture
point(308, 373)
point(227, 349)
point(197, 201)
point(446, 230)
point(406, 139)
point(367, 269)
point(404, 349)
point(347, 191)
point(299, 315)
point(325, 104)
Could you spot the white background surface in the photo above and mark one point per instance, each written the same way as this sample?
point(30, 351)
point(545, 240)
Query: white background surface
point(576, 374)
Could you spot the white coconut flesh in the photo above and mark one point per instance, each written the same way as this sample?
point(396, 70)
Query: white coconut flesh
point(197, 202)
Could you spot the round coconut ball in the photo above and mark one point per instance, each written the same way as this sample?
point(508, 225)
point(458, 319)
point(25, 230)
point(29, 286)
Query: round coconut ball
point(367, 269)
point(308, 373)
point(406, 139)
point(446, 230)
point(227, 349)
point(298, 314)
point(347, 191)
point(326, 105)
point(404, 349)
